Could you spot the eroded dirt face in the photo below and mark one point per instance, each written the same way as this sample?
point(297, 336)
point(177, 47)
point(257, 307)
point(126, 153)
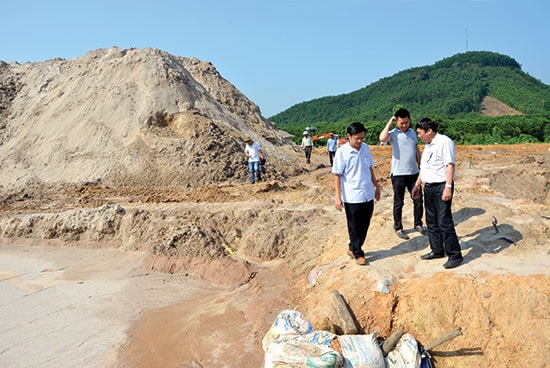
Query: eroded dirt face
point(259, 242)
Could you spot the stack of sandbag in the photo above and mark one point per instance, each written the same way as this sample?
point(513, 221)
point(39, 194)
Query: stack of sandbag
point(292, 343)
point(360, 351)
point(406, 353)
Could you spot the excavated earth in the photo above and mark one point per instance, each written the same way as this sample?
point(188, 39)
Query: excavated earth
point(130, 236)
point(254, 246)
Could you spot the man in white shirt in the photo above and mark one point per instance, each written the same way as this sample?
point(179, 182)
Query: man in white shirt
point(253, 152)
point(355, 188)
point(307, 145)
point(437, 172)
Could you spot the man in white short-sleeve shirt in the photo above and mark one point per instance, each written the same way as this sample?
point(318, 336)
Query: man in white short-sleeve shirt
point(437, 172)
point(355, 188)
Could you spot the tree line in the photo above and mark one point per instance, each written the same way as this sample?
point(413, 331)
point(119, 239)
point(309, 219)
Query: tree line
point(450, 91)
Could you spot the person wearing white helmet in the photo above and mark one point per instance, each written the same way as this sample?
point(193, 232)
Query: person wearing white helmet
point(307, 145)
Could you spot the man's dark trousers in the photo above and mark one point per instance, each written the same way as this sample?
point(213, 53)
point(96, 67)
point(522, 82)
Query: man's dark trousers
point(439, 220)
point(399, 184)
point(358, 216)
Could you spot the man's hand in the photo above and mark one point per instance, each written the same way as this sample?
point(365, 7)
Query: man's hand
point(384, 134)
point(447, 194)
point(416, 191)
point(338, 204)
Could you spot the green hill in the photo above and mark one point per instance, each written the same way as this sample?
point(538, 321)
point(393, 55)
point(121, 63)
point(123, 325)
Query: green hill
point(451, 91)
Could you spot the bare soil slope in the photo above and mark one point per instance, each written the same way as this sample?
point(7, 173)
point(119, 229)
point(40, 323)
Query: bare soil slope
point(494, 107)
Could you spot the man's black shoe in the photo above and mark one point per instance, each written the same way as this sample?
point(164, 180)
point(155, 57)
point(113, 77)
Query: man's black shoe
point(432, 255)
point(452, 263)
point(420, 229)
point(402, 235)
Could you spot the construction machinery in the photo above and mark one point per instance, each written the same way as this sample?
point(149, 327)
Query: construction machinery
point(317, 137)
point(320, 136)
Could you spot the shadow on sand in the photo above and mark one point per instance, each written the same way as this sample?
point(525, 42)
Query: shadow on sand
point(487, 240)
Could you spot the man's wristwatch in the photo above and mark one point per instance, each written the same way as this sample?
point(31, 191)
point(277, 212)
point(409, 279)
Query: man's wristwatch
point(448, 185)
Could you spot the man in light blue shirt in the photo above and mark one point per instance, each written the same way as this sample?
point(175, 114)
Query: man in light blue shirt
point(404, 168)
point(355, 188)
point(332, 146)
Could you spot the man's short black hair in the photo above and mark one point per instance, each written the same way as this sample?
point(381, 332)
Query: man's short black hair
point(427, 123)
point(402, 113)
point(355, 128)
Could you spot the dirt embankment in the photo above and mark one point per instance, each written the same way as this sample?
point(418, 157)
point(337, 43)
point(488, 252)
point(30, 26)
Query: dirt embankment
point(260, 242)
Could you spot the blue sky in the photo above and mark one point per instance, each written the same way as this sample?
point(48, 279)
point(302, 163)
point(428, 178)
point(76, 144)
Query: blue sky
point(282, 52)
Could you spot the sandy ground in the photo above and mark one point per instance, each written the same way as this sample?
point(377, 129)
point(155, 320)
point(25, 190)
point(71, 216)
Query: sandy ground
point(103, 307)
point(71, 307)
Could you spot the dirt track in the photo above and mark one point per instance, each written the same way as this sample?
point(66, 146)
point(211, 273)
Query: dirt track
point(281, 231)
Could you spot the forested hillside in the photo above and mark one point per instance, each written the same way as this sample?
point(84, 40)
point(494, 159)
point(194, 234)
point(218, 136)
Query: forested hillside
point(451, 91)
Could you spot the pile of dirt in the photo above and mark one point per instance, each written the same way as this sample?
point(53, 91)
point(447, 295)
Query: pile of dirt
point(141, 151)
point(129, 117)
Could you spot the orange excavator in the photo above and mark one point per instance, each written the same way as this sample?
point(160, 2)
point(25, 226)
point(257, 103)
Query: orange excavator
point(317, 137)
point(320, 136)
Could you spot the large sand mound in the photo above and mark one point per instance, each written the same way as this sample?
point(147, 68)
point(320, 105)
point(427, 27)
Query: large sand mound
point(128, 118)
